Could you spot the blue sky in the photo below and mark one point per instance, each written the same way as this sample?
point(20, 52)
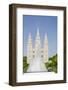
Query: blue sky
point(47, 25)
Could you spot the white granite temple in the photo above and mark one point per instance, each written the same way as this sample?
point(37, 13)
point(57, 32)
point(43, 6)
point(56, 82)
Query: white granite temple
point(37, 56)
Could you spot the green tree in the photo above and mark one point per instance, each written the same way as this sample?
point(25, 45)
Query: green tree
point(25, 64)
point(52, 64)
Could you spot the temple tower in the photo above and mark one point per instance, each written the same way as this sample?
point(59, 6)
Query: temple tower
point(29, 50)
point(37, 44)
point(37, 56)
point(45, 49)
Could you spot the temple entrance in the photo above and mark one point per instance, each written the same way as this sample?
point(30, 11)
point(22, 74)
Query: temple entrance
point(37, 64)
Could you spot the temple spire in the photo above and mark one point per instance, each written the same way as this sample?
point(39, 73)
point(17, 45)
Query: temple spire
point(37, 31)
point(37, 43)
point(29, 49)
point(45, 48)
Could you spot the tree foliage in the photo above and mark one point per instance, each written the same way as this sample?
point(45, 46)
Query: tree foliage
point(25, 64)
point(52, 64)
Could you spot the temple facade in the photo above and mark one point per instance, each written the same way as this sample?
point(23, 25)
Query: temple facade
point(37, 56)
